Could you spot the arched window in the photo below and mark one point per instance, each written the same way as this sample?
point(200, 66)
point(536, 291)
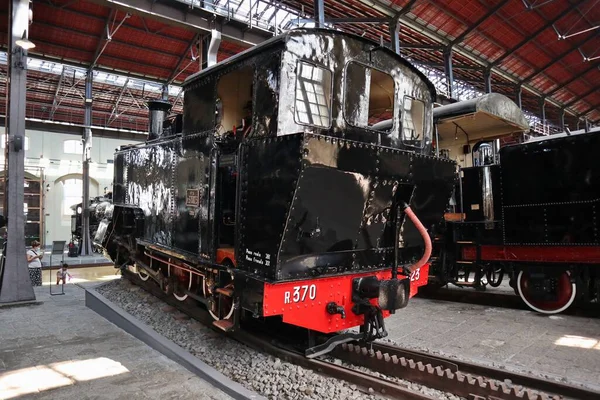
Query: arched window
point(72, 192)
point(3, 142)
point(73, 147)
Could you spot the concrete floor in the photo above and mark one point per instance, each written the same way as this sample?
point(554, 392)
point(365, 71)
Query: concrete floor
point(83, 276)
point(561, 346)
point(60, 349)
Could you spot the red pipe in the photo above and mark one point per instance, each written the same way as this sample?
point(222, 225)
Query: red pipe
point(425, 237)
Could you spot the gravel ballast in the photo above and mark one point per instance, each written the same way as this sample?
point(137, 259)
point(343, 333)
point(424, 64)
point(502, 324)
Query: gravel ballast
point(264, 374)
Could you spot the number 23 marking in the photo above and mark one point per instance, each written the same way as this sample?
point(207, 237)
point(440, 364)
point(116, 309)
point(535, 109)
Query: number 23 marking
point(415, 275)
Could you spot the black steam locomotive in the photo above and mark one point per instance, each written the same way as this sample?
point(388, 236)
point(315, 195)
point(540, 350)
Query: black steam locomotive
point(97, 209)
point(277, 194)
point(529, 211)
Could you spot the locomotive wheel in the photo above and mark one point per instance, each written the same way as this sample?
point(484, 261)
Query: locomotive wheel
point(494, 276)
point(182, 277)
point(142, 274)
point(222, 305)
point(565, 288)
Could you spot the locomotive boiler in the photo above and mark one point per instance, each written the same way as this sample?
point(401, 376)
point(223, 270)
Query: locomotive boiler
point(277, 195)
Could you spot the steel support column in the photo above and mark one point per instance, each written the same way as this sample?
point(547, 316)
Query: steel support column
point(519, 99)
point(562, 118)
point(394, 26)
point(448, 70)
point(543, 110)
point(85, 247)
point(16, 285)
point(487, 79)
point(319, 13)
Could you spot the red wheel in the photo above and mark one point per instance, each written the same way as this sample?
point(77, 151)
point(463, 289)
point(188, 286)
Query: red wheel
point(565, 290)
point(185, 282)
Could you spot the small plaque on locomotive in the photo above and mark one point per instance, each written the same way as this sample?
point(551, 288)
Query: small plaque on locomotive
point(192, 197)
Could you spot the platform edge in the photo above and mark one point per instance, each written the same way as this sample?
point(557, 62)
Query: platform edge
point(111, 312)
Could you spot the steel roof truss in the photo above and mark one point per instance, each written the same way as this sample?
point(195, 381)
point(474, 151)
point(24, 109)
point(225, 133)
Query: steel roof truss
point(531, 37)
point(534, 5)
point(557, 59)
point(70, 89)
point(573, 79)
point(131, 106)
point(589, 58)
point(591, 108)
point(55, 102)
point(477, 23)
point(107, 35)
point(178, 70)
point(116, 106)
point(581, 97)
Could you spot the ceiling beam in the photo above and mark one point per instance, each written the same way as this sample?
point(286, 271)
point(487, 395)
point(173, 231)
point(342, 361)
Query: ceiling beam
point(454, 66)
point(582, 96)
point(573, 79)
point(535, 34)
point(590, 109)
point(386, 9)
point(557, 59)
point(107, 35)
point(103, 37)
point(476, 24)
point(197, 19)
point(349, 20)
point(87, 65)
point(183, 57)
point(98, 18)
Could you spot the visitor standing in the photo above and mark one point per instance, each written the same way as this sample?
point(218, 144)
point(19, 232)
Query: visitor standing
point(34, 255)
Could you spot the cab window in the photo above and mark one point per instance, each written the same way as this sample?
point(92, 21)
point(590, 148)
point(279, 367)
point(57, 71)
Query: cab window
point(413, 121)
point(313, 95)
point(369, 97)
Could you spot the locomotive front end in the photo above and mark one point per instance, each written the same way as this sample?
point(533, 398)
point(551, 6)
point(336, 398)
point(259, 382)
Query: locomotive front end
point(338, 245)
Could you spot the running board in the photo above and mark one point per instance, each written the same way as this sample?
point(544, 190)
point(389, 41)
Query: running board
point(329, 345)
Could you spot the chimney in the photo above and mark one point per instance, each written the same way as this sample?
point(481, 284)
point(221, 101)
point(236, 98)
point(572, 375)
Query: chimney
point(157, 113)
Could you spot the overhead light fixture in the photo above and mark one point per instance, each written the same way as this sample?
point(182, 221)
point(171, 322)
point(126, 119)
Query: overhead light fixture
point(24, 42)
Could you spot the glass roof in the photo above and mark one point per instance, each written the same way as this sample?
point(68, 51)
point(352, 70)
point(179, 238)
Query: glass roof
point(261, 14)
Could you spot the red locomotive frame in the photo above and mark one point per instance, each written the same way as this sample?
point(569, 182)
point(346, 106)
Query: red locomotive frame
point(302, 303)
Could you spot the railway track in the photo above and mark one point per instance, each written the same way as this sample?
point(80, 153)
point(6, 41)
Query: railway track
point(463, 379)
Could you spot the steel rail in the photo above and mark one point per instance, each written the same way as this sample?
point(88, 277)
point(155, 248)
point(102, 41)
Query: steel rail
point(516, 378)
point(459, 377)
